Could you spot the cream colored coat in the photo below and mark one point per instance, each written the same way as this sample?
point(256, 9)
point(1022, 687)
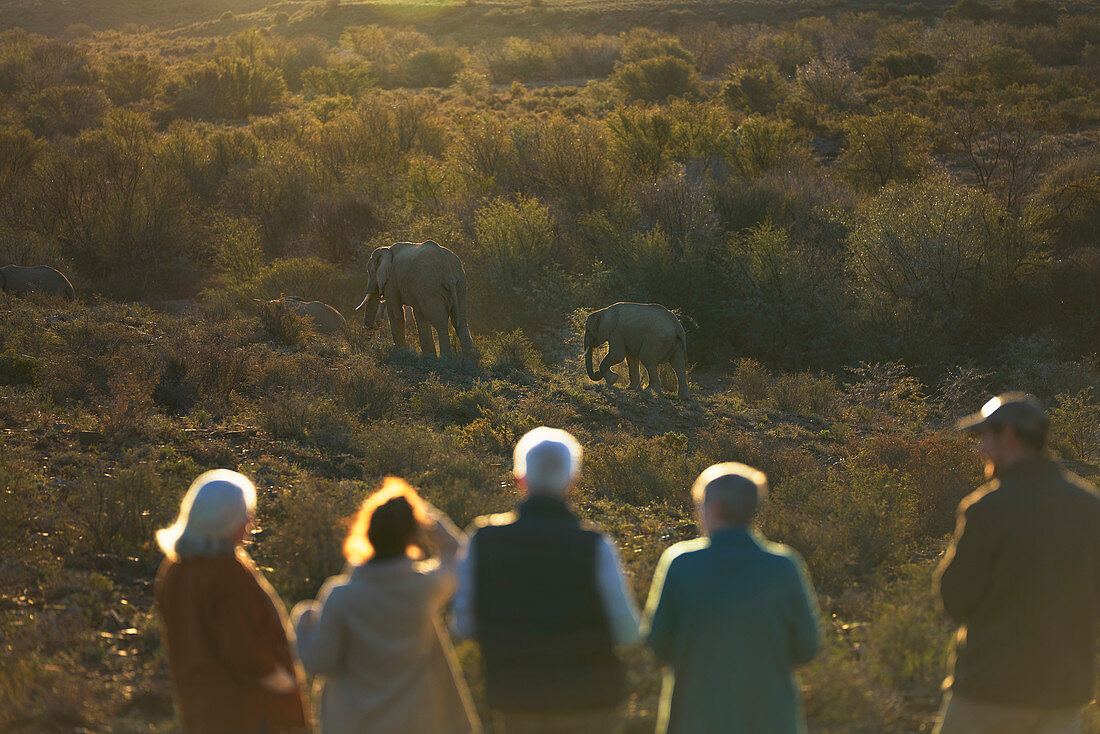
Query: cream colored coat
point(382, 654)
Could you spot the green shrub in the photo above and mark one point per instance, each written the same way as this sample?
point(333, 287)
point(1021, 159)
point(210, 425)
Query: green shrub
point(510, 351)
point(130, 78)
point(655, 79)
point(65, 110)
point(347, 78)
point(908, 638)
point(513, 259)
point(304, 534)
point(18, 369)
point(642, 471)
point(642, 140)
point(884, 147)
point(433, 67)
point(1075, 424)
point(226, 88)
point(756, 88)
point(312, 419)
point(900, 64)
point(641, 43)
point(849, 522)
point(762, 144)
point(520, 59)
point(930, 252)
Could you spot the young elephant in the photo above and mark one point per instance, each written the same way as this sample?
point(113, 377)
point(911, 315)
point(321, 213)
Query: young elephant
point(639, 332)
point(325, 318)
point(19, 279)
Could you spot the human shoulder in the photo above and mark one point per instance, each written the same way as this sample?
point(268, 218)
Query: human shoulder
point(679, 553)
point(497, 520)
point(982, 499)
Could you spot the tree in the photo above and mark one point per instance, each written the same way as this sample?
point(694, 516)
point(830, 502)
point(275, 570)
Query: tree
point(885, 147)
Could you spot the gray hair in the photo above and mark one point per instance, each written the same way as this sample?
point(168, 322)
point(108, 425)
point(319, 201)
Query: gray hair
point(735, 490)
point(215, 507)
point(548, 460)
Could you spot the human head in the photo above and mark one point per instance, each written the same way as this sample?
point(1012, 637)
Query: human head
point(386, 524)
point(547, 461)
point(213, 516)
point(728, 494)
point(1011, 426)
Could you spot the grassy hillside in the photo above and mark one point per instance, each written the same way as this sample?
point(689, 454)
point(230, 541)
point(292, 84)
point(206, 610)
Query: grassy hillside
point(877, 215)
point(110, 410)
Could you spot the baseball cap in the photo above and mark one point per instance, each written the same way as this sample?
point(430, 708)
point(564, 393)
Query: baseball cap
point(1017, 408)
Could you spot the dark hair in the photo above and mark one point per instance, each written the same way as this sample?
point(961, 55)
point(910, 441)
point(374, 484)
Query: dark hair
point(1034, 437)
point(386, 524)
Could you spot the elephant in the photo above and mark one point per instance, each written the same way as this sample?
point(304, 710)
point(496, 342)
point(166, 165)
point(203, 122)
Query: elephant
point(19, 279)
point(325, 318)
point(428, 278)
point(639, 332)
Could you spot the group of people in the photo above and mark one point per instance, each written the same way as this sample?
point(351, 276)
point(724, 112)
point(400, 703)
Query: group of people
point(730, 615)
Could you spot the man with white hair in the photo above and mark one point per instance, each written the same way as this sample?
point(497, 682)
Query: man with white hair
point(730, 615)
point(546, 598)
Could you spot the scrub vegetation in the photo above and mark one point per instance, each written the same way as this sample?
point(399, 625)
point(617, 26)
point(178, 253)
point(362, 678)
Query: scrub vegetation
point(875, 216)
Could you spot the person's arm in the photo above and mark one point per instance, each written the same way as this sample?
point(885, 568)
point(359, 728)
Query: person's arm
point(662, 614)
point(237, 624)
point(443, 534)
point(447, 539)
point(462, 608)
point(805, 621)
point(319, 627)
point(963, 575)
point(618, 601)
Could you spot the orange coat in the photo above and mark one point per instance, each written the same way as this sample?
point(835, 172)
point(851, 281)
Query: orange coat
point(225, 629)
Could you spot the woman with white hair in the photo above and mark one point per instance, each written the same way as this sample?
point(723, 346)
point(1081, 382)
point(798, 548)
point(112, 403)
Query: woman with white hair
point(223, 626)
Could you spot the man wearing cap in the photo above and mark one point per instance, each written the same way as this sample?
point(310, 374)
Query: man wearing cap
point(545, 597)
point(730, 615)
point(1022, 579)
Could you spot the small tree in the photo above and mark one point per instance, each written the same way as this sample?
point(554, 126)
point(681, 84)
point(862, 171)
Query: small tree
point(885, 147)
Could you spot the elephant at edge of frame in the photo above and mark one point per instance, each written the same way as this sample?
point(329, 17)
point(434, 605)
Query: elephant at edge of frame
point(19, 279)
point(645, 333)
point(428, 278)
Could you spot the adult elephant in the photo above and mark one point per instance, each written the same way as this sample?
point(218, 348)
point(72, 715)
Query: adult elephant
point(42, 278)
point(428, 278)
point(639, 332)
point(325, 318)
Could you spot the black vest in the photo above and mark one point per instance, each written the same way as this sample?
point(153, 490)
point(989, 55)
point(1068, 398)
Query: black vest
point(545, 637)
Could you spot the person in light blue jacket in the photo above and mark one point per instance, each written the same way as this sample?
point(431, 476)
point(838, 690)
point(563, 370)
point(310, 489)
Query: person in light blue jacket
point(730, 615)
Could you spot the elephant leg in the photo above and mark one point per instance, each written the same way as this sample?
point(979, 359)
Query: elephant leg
point(424, 333)
point(396, 313)
point(651, 367)
point(679, 364)
point(632, 365)
point(616, 353)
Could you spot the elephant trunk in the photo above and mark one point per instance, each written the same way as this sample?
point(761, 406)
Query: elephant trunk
point(370, 318)
point(588, 363)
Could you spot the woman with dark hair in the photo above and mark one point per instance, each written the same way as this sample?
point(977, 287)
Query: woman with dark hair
point(223, 626)
point(374, 636)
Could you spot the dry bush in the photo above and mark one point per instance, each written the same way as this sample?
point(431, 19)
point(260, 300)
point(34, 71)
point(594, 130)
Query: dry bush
point(303, 532)
point(752, 380)
point(400, 448)
point(447, 403)
point(313, 419)
point(849, 521)
point(642, 471)
point(365, 388)
point(806, 393)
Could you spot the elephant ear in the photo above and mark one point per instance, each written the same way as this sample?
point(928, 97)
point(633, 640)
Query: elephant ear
point(385, 264)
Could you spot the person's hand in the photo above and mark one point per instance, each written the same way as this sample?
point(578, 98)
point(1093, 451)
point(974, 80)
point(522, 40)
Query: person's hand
point(279, 681)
